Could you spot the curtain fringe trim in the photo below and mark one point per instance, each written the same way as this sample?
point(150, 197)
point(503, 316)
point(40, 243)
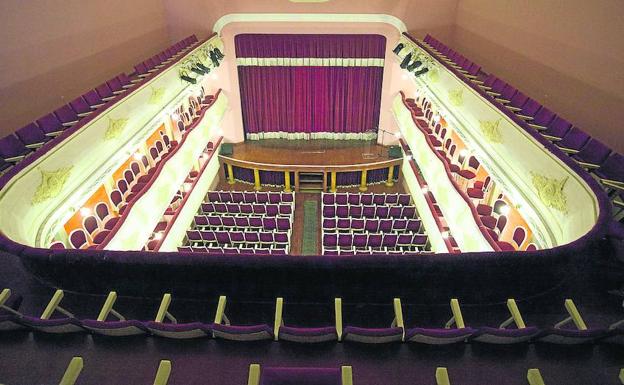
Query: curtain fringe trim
point(314, 135)
point(309, 62)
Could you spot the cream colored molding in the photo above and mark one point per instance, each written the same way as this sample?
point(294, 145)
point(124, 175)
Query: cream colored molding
point(456, 97)
point(491, 130)
point(115, 128)
point(51, 185)
point(550, 191)
point(308, 18)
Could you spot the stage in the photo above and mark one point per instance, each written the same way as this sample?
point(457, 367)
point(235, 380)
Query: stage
point(307, 165)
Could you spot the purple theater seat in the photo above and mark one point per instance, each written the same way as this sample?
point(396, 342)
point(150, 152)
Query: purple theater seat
point(93, 99)
point(50, 125)
point(330, 240)
point(529, 110)
point(115, 328)
point(141, 70)
point(242, 333)
point(517, 102)
point(308, 335)
point(32, 136)
point(374, 241)
point(385, 225)
point(419, 240)
point(389, 241)
point(329, 211)
point(491, 335)
point(54, 326)
point(404, 199)
point(104, 91)
point(66, 116)
point(382, 212)
point(438, 336)
point(179, 331)
point(9, 315)
point(4, 166)
point(507, 93)
point(557, 129)
point(593, 154)
point(573, 141)
point(542, 119)
point(300, 376)
point(125, 80)
point(81, 107)
point(372, 335)
point(611, 173)
point(570, 336)
point(116, 86)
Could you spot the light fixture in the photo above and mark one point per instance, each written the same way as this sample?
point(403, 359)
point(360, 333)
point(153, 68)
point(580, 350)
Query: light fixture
point(213, 76)
point(85, 211)
point(397, 134)
point(425, 189)
point(421, 72)
point(463, 153)
point(414, 65)
point(406, 60)
point(137, 156)
point(158, 236)
point(175, 116)
point(445, 235)
point(409, 158)
point(504, 210)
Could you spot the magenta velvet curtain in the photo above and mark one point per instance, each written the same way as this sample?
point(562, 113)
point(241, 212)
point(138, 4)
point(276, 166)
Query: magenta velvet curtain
point(310, 99)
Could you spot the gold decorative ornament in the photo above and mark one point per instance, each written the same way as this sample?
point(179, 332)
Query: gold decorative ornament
point(115, 128)
point(457, 97)
point(157, 95)
point(550, 191)
point(52, 183)
point(491, 130)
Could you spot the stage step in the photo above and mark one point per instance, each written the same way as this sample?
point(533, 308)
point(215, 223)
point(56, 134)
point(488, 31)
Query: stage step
point(311, 182)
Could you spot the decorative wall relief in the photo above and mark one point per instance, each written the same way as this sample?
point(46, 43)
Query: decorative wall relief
point(491, 130)
point(115, 128)
point(550, 191)
point(456, 97)
point(157, 95)
point(52, 183)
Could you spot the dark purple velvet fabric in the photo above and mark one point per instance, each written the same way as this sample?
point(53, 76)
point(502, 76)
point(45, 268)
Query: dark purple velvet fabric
point(300, 376)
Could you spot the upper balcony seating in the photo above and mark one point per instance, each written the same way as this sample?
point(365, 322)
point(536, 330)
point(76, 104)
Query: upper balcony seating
point(166, 325)
point(53, 124)
point(570, 140)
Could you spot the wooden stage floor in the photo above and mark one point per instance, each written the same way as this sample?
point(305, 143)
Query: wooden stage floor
point(317, 152)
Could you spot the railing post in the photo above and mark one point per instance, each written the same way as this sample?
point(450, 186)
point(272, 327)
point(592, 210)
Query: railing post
point(390, 181)
point(230, 173)
point(257, 186)
point(363, 182)
point(287, 181)
point(333, 182)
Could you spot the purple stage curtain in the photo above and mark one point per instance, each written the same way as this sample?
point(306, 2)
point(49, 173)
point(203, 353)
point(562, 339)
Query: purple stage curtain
point(310, 99)
point(295, 99)
point(317, 46)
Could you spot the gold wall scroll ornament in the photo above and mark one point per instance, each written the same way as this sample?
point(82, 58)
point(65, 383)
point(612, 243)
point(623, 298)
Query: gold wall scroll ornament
point(550, 191)
point(115, 128)
point(434, 75)
point(157, 95)
point(52, 183)
point(491, 130)
point(457, 97)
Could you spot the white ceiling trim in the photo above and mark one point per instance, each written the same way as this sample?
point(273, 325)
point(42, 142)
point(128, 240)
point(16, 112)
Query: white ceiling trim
point(308, 18)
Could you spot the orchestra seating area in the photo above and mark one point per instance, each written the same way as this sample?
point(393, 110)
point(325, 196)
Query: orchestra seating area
point(604, 164)
point(51, 129)
point(237, 222)
point(369, 224)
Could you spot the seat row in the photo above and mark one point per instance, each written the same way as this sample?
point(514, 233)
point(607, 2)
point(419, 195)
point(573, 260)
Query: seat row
point(273, 197)
point(372, 225)
point(266, 209)
point(279, 375)
point(605, 165)
point(165, 324)
point(240, 239)
point(241, 223)
point(256, 250)
point(397, 241)
point(368, 199)
point(370, 211)
point(15, 147)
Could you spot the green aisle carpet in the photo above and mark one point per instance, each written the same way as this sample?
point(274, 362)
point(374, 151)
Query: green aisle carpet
point(310, 228)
